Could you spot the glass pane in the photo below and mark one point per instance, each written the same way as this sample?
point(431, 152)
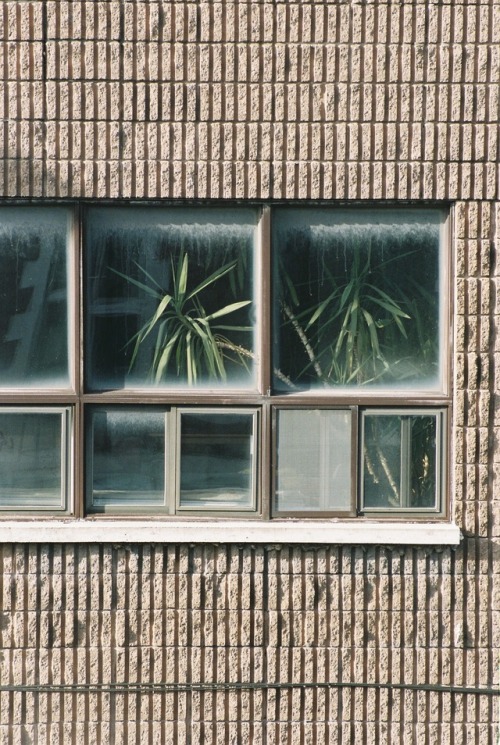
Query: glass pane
point(382, 462)
point(423, 466)
point(170, 297)
point(128, 458)
point(30, 461)
point(357, 298)
point(314, 461)
point(217, 461)
point(400, 468)
point(33, 297)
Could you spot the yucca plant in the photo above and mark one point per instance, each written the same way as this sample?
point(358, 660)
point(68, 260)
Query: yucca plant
point(360, 314)
point(189, 341)
point(354, 331)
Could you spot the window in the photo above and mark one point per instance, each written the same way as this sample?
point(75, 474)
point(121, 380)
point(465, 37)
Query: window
point(224, 361)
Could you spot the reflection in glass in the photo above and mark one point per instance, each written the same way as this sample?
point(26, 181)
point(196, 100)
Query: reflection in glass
point(33, 297)
point(217, 462)
point(357, 298)
point(30, 461)
point(314, 461)
point(170, 297)
point(400, 469)
point(128, 458)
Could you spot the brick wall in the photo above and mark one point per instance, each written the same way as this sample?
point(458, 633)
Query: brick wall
point(266, 100)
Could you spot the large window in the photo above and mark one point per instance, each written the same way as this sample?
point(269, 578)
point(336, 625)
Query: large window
point(224, 361)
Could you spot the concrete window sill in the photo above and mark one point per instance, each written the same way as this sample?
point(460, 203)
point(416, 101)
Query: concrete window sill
point(354, 532)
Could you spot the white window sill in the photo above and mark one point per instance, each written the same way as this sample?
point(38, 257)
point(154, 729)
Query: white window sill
point(229, 531)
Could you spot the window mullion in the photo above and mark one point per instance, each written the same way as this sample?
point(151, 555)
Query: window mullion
point(266, 463)
point(356, 460)
point(76, 356)
point(172, 446)
point(405, 467)
point(264, 314)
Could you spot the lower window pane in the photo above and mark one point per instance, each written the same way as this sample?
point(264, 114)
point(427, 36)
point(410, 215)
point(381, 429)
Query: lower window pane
point(217, 461)
point(314, 461)
point(33, 460)
point(128, 459)
point(400, 461)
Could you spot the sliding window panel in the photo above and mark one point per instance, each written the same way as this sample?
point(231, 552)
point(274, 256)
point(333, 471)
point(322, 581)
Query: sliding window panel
point(402, 462)
point(217, 461)
point(35, 458)
point(313, 461)
point(35, 323)
point(171, 298)
point(126, 453)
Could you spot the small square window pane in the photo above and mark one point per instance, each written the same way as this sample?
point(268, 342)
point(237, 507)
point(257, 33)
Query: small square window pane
point(127, 449)
point(170, 298)
point(217, 461)
point(400, 461)
point(33, 458)
point(313, 461)
point(34, 324)
point(358, 299)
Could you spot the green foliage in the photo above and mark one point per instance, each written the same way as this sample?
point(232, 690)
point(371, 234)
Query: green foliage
point(351, 334)
point(187, 339)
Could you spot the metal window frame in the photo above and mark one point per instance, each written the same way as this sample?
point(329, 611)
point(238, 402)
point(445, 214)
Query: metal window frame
point(77, 399)
point(66, 459)
point(352, 511)
point(129, 507)
point(252, 412)
point(406, 413)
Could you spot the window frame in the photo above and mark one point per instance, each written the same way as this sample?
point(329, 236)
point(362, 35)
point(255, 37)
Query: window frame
point(261, 397)
point(66, 455)
point(176, 447)
point(441, 416)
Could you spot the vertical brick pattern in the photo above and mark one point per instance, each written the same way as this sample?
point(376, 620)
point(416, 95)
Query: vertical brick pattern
point(266, 100)
point(179, 614)
point(330, 100)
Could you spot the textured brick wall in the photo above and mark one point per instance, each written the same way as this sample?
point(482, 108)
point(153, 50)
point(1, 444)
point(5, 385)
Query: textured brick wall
point(266, 100)
point(180, 614)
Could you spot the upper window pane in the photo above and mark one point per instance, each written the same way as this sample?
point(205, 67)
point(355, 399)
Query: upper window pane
point(170, 297)
point(358, 299)
point(34, 297)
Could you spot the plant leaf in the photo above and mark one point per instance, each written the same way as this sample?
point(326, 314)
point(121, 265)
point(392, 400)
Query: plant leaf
point(149, 276)
point(149, 290)
point(147, 328)
point(183, 276)
point(321, 308)
point(212, 278)
point(373, 332)
point(394, 310)
point(228, 309)
point(164, 358)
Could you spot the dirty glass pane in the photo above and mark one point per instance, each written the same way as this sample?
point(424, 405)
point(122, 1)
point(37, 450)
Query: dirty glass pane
point(313, 461)
point(127, 449)
point(31, 461)
point(399, 462)
point(170, 297)
point(217, 461)
point(357, 298)
point(34, 297)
